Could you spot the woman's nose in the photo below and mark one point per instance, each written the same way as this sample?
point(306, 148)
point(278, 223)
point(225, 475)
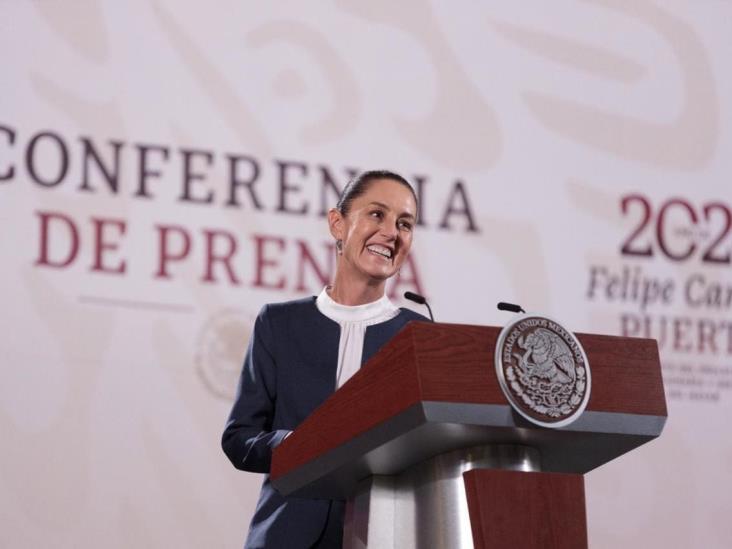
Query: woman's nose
point(389, 231)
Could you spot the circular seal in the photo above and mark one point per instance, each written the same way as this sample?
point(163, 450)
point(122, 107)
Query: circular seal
point(222, 343)
point(543, 370)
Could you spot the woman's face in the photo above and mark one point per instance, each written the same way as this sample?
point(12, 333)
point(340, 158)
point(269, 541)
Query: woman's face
point(377, 231)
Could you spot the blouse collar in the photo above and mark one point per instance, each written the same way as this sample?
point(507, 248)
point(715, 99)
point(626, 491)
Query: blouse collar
point(370, 313)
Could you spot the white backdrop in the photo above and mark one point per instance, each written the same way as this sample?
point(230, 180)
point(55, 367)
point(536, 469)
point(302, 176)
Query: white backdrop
point(164, 168)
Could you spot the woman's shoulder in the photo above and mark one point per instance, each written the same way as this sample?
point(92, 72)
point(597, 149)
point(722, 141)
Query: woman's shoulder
point(409, 315)
point(303, 306)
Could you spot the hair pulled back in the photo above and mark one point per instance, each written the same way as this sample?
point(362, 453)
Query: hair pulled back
point(361, 183)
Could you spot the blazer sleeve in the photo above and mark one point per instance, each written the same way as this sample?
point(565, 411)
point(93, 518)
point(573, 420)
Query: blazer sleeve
point(248, 438)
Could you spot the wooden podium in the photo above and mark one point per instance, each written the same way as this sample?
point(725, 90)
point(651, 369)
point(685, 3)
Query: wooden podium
point(427, 451)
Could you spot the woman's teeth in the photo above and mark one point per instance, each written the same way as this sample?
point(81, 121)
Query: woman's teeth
point(380, 250)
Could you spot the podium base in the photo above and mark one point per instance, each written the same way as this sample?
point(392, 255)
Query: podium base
point(527, 510)
point(426, 506)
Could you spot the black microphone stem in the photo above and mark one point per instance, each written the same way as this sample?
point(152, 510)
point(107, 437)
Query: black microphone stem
point(411, 296)
point(429, 310)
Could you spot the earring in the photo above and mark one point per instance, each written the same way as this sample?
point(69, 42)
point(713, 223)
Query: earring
point(339, 246)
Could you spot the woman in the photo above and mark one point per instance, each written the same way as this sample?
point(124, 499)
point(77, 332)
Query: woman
point(301, 351)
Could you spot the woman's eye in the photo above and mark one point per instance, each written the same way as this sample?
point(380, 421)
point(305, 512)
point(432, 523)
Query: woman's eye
point(406, 225)
point(377, 213)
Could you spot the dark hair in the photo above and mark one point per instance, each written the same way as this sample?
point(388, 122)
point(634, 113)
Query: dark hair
point(361, 183)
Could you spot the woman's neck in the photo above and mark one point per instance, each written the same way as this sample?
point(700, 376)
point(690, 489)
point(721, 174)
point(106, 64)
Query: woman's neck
point(355, 292)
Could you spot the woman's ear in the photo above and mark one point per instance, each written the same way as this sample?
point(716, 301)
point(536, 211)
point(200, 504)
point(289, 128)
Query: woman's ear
point(336, 224)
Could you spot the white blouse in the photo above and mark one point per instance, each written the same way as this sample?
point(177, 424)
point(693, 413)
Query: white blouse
point(353, 320)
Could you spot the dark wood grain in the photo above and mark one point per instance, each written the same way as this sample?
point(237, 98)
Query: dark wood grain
point(626, 374)
point(454, 363)
point(510, 509)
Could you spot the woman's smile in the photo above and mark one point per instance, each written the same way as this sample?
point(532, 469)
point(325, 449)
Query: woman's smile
point(381, 251)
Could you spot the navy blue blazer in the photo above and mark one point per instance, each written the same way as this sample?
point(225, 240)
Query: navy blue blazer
point(289, 370)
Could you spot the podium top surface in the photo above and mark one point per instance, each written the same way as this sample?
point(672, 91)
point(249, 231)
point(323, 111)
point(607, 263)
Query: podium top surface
point(433, 388)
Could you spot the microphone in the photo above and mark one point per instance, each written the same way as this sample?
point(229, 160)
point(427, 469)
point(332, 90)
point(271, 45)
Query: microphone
point(503, 306)
point(411, 296)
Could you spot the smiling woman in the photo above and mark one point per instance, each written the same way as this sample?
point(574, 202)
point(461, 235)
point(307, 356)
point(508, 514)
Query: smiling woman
point(372, 225)
point(301, 351)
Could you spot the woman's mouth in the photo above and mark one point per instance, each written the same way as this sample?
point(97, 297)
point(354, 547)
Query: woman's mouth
point(381, 251)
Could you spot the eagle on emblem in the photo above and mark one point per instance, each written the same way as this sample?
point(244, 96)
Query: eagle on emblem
point(546, 356)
